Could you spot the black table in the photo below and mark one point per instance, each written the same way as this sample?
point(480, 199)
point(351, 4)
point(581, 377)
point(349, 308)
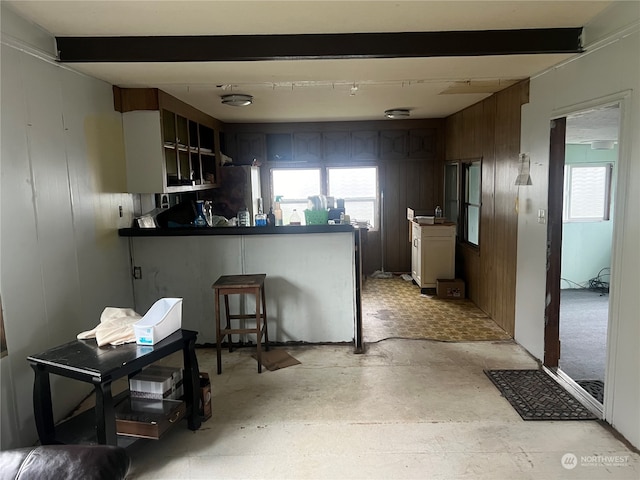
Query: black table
point(83, 360)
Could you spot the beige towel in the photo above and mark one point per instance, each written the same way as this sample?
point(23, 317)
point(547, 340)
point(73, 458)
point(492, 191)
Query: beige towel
point(115, 327)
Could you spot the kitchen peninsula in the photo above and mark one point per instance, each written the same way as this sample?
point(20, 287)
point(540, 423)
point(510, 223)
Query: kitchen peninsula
point(310, 286)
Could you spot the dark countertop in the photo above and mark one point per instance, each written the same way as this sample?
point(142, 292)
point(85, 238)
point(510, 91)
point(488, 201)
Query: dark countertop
point(195, 231)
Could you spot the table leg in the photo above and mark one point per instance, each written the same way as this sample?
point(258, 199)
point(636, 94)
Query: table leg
point(192, 383)
point(105, 415)
point(42, 409)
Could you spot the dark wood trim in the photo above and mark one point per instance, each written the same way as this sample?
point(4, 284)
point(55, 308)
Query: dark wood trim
point(234, 48)
point(130, 99)
point(554, 242)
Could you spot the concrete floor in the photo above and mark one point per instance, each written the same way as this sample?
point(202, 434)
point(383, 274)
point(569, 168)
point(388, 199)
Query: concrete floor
point(407, 409)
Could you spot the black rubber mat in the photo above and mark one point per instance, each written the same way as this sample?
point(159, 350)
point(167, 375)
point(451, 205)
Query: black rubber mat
point(595, 388)
point(537, 396)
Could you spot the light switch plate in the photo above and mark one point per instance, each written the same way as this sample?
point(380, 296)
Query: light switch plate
point(542, 216)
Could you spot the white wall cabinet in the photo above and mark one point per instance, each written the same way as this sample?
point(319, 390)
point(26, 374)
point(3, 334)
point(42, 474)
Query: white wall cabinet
point(433, 253)
point(170, 147)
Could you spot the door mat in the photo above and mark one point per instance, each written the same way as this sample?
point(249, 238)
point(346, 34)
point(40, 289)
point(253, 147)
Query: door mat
point(537, 396)
point(277, 359)
point(595, 388)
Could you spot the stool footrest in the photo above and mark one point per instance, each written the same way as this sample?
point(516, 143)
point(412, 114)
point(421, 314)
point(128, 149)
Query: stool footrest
point(237, 331)
point(245, 317)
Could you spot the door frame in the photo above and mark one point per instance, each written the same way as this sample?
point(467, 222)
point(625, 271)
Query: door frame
point(555, 248)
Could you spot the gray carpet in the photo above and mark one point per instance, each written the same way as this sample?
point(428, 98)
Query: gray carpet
point(583, 334)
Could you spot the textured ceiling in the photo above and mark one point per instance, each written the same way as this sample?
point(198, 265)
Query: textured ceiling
point(314, 90)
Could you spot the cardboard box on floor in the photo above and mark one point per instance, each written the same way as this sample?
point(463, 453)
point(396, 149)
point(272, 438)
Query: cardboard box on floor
point(452, 289)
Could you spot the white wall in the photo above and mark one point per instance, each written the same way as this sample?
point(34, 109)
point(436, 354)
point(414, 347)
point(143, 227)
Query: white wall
point(602, 74)
point(309, 288)
point(62, 171)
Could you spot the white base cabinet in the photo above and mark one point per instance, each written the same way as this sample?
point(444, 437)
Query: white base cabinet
point(433, 253)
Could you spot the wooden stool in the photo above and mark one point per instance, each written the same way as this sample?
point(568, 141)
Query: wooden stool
point(238, 284)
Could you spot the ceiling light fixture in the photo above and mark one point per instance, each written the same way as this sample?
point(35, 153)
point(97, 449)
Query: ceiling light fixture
point(397, 113)
point(237, 100)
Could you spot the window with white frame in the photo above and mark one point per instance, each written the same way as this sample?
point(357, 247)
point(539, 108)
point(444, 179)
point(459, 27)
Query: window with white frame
point(357, 186)
point(587, 192)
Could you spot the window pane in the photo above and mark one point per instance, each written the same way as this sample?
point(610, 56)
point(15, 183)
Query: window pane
point(361, 210)
point(588, 192)
point(473, 224)
point(352, 182)
point(295, 184)
point(451, 192)
point(358, 187)
point(473, 183)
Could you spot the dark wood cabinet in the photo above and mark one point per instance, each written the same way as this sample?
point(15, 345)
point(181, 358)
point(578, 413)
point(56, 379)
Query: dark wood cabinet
point(279, 147)
point(422, 143)
point(336, 146)
point(364, 145)
point(307, 146)
point(250, 147)
point(394, 144)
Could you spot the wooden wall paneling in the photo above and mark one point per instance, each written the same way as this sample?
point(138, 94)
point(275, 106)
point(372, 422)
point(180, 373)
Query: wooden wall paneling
point(472, 128)
point(452, 135)
point(470, 258)
point(487, 273)
point(393, 229)
point(507, 144)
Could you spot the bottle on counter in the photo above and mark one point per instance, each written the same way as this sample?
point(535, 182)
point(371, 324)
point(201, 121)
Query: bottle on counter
point(271, 218)
point(200, 221)
point(260, 217)
point(244, 219)
point(295, 218)
point(438, 212)
point(277, 212)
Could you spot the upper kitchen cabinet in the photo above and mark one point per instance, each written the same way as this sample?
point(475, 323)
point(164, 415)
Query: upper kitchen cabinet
point(364, 145)
point(307, 146)
point(422, 143)
point(170, 147)
point(393, 144)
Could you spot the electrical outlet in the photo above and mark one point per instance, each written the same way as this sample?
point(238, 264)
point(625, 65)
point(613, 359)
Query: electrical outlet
point(120, 211)
point(137, 273)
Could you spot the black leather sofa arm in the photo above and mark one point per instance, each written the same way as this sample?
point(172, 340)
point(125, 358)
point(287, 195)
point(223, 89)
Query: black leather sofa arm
point(59, 462)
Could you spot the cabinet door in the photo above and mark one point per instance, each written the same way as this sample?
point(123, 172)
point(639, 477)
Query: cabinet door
point(307, 146)
point(336, 146)
point(422, 143)
point(250, 147)
point(393, 144)
point(438, 254)
point(145, 152)
point(364, 145)
point(279, 147)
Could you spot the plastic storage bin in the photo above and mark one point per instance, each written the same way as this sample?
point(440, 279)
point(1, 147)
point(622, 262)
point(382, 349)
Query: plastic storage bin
point(161, 320)
point(316, 217)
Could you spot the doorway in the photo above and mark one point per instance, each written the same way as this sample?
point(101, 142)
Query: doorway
point(582, 183)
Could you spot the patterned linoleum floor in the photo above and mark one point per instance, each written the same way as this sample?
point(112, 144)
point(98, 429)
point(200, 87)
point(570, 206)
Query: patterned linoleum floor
point(395, 308)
